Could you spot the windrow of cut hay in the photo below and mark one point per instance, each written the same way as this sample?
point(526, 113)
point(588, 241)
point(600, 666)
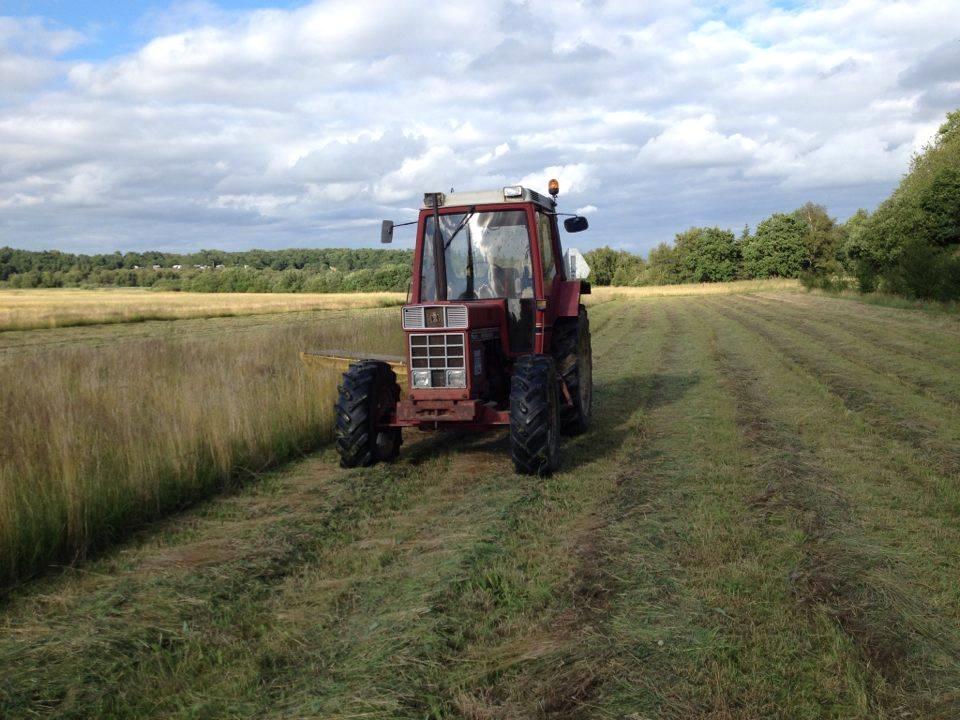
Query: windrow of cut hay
point(35, 309)
point(100, 439)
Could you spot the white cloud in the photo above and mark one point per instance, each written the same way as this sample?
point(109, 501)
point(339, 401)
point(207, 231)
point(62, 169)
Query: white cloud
point(695, 142)
point(498, 152)
point(291, 127)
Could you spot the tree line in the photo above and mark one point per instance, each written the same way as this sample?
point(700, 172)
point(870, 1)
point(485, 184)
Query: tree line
point(291, 270)
point(909, 246)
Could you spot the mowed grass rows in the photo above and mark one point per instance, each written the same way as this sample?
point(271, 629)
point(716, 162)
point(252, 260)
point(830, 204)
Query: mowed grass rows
point(103, 432)
point(762, 523)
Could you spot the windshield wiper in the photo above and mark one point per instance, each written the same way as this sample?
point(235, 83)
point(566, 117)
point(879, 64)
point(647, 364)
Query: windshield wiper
point(461, 226)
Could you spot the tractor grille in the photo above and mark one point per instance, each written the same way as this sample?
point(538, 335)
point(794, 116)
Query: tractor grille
point(419, 317)
point(437, 353)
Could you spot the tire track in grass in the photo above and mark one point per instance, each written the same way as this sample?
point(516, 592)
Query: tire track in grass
point(927, 430)
point(844, 572)
point(941, 388)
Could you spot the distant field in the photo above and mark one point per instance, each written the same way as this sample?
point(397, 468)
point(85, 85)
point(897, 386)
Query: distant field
point(38, 309)
point(763, 522)
point(34, 309)
point(741, 287)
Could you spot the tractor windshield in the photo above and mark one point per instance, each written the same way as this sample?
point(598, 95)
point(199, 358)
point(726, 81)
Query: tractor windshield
point(487, 255)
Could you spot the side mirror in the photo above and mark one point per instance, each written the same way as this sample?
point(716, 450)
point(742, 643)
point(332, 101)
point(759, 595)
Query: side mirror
point(386, 232)
point(575, 224)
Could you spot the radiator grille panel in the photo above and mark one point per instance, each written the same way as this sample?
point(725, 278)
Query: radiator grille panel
point(437, 351)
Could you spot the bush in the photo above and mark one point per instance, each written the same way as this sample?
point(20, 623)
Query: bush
point(830, 283)
point(925, 272)
point(866, 275)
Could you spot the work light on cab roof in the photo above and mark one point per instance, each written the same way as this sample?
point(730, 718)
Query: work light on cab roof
point(495, 333)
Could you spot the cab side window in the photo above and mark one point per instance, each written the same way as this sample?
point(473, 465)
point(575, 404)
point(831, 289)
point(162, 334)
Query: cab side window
point(545, 234)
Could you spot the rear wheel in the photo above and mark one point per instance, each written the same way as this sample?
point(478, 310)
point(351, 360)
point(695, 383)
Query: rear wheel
point(534, 415)
point(368, 396)
point(574, 357)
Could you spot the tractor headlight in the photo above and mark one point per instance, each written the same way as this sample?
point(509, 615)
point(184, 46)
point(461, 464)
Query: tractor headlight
point(456, 378)
point(421, 378)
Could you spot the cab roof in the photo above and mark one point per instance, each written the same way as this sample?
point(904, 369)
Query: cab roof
point(509, 194)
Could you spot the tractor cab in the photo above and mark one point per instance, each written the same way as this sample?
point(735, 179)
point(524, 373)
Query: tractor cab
point(496, 246)
point(495, 332)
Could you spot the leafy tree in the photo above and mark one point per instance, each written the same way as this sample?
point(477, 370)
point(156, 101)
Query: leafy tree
point(663, 266)
point(821, 237)
point(777, 249)
point(911, 240)
point(708, 255)
point(630, 270)
point(603, 265)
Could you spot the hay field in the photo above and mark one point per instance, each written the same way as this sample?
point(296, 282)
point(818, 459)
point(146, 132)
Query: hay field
point(763, 522)
point(33, 309)
point(740, 287)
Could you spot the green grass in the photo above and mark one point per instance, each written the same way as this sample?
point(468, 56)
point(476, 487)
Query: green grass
point(762, 523)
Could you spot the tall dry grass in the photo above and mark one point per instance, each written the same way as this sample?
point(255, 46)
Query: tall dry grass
point(98, 440)
point(34, 309)
point(740, 287)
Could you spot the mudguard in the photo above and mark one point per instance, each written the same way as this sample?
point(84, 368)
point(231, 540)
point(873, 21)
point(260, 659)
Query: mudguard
point(567, 296)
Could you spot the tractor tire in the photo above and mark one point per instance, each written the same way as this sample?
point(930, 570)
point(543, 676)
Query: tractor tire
point(574, 357)
point(535, 415)
point(368, 394)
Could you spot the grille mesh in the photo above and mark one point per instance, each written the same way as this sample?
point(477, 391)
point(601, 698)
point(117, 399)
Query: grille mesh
point(437, 352)
point(456, 316)
point(413, 318)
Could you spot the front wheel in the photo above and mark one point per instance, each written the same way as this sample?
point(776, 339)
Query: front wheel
point(368, 396)
point(535, 415)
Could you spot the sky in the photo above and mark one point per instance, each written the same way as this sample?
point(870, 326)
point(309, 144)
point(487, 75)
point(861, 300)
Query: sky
point(232, 125)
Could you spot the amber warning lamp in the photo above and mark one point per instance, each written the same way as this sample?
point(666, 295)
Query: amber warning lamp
point(554, 187)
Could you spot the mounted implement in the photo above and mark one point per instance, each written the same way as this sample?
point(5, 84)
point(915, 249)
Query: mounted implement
point(496, 334)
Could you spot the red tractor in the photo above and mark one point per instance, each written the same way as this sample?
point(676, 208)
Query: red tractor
point(496, 334)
